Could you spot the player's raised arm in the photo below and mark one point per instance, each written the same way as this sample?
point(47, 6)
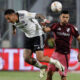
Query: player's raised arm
point(44, 20)
point(78, 38)
point(37, 16)
point(40, 16)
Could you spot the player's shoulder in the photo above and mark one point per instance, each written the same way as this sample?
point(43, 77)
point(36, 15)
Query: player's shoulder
point(55, 24)
point(22, 11)
point(73, 27)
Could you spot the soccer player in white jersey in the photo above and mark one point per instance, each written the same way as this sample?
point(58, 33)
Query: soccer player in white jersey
point(28, 23)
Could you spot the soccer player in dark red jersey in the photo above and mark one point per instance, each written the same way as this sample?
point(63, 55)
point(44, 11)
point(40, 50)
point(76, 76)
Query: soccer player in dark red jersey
point(63, 33)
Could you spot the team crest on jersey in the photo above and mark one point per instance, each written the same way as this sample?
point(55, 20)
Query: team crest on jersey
point(59, 29)
point(68, 29)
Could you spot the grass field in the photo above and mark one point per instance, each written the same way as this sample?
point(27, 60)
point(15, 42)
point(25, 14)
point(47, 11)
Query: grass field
point(15, 75)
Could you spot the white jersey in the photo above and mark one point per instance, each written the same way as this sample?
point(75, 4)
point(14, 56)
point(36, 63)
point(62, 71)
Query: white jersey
point(28, 24)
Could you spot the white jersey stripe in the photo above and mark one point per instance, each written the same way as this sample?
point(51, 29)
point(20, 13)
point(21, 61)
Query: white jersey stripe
point(41, 41)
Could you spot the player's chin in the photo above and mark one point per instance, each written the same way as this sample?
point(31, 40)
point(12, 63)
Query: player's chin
point(64, 23)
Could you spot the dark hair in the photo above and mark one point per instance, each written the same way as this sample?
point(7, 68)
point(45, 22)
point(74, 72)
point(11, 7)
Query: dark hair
point(9, 11)
point(64, 12)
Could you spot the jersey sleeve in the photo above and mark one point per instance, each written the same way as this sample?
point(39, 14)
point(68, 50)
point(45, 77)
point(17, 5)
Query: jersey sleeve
point(74, 32)
point(31, 15)
point(27, 14)
point(53, 27)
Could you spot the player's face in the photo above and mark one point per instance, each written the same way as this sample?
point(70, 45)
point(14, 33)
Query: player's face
point(64, 18)
point(10, 18)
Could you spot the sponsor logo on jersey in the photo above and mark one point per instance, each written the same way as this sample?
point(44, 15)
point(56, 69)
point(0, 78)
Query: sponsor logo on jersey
point(63, 34)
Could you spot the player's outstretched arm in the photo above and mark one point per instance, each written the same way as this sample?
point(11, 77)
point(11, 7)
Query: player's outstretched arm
point(79, 48)
point(43, 22)
point(43, 19)
point(40, 16)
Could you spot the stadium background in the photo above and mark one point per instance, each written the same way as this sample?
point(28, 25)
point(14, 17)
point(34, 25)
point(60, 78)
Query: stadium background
point(12, 46)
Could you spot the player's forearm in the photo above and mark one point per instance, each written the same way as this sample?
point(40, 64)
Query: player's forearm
point(39, 16)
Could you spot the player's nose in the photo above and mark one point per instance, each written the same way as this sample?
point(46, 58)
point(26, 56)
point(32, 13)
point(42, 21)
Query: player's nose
point(65, 20)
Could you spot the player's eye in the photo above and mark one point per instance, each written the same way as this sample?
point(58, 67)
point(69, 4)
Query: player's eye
point(65, 17)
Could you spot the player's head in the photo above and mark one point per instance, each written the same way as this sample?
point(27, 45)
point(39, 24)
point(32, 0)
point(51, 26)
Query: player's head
point(10, 15)
point(64, 17)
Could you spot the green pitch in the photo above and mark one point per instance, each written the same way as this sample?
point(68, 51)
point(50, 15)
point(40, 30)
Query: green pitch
point(15, 75)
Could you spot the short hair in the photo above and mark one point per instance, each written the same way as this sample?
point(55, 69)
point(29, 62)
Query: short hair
point(64, 12)
point(9, 11)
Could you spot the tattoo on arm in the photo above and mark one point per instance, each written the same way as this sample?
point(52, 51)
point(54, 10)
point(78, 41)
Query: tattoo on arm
point(39, 16)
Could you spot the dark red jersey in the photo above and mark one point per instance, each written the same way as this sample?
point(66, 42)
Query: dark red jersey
point(63, 36)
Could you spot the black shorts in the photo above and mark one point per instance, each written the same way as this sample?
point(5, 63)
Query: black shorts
point(35, 43)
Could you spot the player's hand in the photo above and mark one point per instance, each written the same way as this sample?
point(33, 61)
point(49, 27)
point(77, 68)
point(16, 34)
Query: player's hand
point(79, 57)
point(45, 22)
